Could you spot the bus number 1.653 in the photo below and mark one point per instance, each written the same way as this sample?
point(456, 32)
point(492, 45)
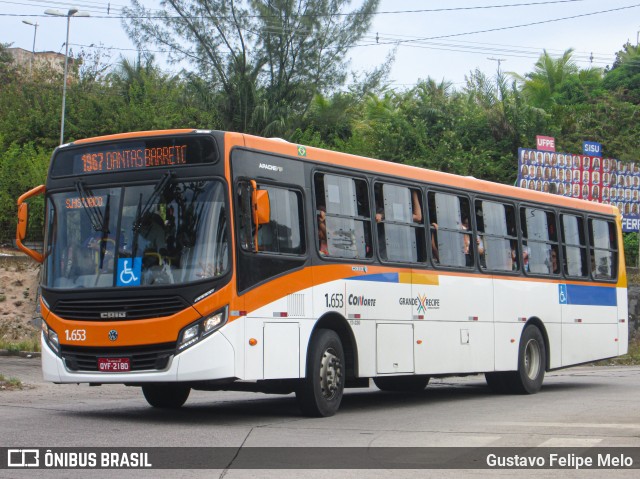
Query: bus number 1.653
point(334, 301)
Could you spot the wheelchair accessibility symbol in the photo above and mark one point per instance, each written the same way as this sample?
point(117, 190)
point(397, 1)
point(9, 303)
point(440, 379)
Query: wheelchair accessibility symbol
point(562, 294)
point(128, 274)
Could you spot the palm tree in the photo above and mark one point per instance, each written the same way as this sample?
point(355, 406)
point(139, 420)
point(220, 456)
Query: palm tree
point(549, 74)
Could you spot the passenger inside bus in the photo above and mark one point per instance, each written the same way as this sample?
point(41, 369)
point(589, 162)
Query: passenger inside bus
point(466, 242)
point(416, 207)
point(554, 267)
point(322, 230)
point(434, 243)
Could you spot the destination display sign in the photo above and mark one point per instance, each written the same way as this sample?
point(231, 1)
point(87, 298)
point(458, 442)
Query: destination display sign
point(133, 155)
point(130, 158)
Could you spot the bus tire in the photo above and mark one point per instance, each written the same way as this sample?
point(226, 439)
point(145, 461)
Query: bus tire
point(166, 396)
point(320, 393)
point(498, 382)
point(402, 383)
point(531, 363)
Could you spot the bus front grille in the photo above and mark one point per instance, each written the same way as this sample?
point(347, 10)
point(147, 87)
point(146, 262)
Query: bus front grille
point(119, 309)
point(143, 358)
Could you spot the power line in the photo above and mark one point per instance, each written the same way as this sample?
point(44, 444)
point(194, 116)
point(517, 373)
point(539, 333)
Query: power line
point(48, 3)
point(315, 15)
point(505, 52)
point(471, 44)
point(541, 22)
point(423, 42)
point(530, 55)
point(439, 47)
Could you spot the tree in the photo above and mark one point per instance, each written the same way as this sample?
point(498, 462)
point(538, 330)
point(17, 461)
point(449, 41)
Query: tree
point(624, 75)
point(549, 73)
point(5, 62)
point(21, 168)
point(265, 59)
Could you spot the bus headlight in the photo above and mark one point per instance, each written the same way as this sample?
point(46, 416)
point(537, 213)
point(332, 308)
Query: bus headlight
point(51, 338)
point(194, 332)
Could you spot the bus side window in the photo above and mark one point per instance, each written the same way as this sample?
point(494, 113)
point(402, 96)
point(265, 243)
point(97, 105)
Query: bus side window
point(450, 228)
point(398, 212)
point(343, 210)
point(539, 241)
point(574, 246)
point(245, 223)
point(604, 255)
point(284, 232)
point(497, 242)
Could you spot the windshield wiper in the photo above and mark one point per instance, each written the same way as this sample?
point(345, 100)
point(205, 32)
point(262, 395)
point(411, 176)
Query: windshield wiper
point(105, 233)
point(142, 212)
point(157, 191)
point(93, 212)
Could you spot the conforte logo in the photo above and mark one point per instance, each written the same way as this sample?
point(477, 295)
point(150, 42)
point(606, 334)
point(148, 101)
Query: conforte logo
point(264, 166)
point(354, 300)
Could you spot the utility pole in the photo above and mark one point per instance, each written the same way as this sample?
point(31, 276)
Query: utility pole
point(499, 60)
point(73, 12)
point(33, 49)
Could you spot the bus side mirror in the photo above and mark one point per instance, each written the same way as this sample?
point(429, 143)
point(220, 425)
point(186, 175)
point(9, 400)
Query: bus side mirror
point(23, 218)
point(23, 221)
point(261, 207)
point(260, 211)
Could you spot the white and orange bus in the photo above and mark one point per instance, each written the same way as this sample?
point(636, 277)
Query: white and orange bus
point(186, 259)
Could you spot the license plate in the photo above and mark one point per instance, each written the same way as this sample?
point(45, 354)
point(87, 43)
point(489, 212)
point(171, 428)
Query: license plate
point(114, 364)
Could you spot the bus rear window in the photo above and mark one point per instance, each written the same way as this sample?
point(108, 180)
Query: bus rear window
point(137, 154)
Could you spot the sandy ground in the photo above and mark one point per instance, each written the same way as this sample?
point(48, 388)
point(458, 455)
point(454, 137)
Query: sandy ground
point(18, 290)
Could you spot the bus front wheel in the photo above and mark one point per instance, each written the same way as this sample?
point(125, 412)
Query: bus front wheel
point(166, 396)
point(320, 393)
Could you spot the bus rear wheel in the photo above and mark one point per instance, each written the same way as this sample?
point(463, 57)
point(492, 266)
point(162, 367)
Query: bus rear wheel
point(402, 383)
point(166, 396)
point(320, 393)
point(532, 360)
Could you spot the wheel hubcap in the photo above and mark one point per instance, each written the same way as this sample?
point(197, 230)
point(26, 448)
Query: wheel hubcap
point(532, 359)
point(330, 373)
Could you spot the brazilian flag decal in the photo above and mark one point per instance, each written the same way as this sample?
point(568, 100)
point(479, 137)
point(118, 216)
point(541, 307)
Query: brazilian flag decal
point(302, 151)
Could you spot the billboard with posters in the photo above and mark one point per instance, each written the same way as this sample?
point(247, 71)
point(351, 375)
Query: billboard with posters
point(593, 178)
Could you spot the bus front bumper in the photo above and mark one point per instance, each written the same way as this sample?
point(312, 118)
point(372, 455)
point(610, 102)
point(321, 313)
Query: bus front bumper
point(211, 358)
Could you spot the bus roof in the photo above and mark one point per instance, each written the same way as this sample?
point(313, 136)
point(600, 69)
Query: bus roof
point(134, 134)
point(422, 174)
point(379, 166)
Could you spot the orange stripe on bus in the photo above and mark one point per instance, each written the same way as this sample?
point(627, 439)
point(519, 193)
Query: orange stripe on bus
point(421, 174)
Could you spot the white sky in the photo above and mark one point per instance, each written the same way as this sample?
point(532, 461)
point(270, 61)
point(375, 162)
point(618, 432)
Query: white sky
point(450, 58)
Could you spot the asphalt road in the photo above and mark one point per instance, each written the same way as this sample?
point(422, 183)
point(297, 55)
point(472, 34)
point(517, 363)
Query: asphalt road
point(579, 407)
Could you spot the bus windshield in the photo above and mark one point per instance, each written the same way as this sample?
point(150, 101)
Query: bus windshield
point(162, 233)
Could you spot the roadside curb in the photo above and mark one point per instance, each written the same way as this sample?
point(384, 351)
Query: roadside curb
point(22, 354)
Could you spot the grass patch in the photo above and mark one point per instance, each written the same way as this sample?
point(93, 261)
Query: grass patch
point(10, 383)
point(32, 344)
point(632, 358)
